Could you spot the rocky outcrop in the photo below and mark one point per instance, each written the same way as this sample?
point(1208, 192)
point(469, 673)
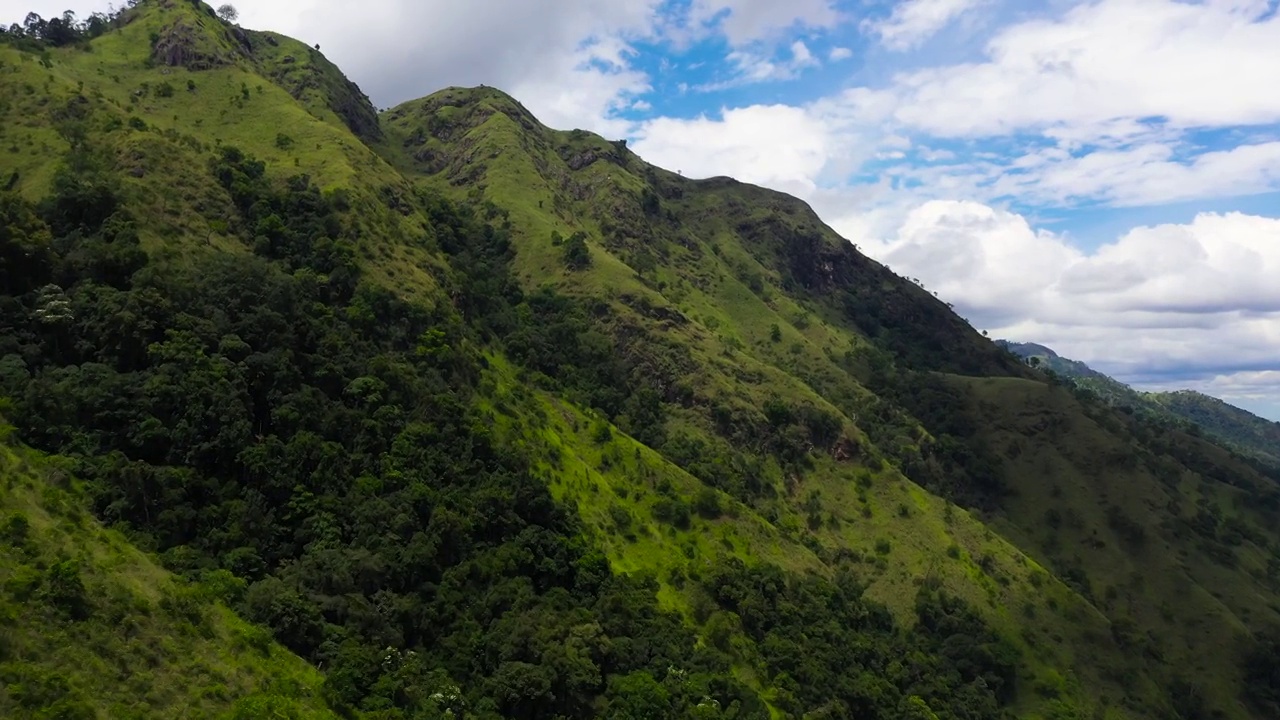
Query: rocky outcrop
point(185, 44)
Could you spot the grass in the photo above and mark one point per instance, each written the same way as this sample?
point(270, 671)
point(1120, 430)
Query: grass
point(1181, 597)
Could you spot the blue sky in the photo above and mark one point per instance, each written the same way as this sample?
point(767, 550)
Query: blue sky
point(1101, 176)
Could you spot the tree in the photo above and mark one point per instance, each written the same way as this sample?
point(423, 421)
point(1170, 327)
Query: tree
point(228, 13)
point(576, 254)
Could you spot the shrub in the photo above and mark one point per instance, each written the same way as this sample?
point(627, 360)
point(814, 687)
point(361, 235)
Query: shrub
point(708, 503)
point(64, 590)
point(576, 254)
point(673, 512)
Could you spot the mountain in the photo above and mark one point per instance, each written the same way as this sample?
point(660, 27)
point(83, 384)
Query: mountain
point(482, 418)
point(1237, 429)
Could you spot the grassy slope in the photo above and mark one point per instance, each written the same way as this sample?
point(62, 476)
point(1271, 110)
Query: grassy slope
point(717, 295)
point(149, 645)
point(1080, 480)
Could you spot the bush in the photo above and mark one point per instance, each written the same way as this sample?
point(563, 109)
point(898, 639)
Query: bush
point(673, 512)
point(621, 518)
point(17, 529)
point(601, 433)
point(707, 504)
point(64, 590)
point(576, 254)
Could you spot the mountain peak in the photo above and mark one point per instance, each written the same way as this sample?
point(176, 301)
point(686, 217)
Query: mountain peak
point(478, 103)
point(189, 35)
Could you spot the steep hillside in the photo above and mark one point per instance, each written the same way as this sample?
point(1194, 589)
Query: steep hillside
point(502, 421)
point(1170, 536)
point(1237, 429)
point(773, 313)
point(91, 627)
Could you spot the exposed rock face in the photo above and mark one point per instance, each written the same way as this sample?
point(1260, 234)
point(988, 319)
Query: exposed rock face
point(355, 109)
point(184, 45)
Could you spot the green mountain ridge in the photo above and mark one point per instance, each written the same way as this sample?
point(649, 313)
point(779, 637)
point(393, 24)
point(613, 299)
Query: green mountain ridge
point(494, 420)
point(1238, 429)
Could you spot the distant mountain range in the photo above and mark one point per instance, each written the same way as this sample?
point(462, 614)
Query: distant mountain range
point(1237, 428)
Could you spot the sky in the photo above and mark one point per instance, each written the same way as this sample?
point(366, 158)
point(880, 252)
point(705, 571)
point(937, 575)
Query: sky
point(1099, 176)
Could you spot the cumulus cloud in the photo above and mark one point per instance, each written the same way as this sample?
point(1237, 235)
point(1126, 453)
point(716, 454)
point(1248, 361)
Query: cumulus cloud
point(989, 262)
point(775, 145)
point(1187, 64)
point(839, 53)
point(914, 21)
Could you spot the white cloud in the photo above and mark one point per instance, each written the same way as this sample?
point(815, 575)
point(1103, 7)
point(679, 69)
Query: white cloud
point(747, 21)
point(839, 53)
point(987, 261)
point(775, 145)
point(914, 21)
point(801, 57)
point(751, 67)
point(1145, 175)
point(1196, 65)
point(900, 142)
